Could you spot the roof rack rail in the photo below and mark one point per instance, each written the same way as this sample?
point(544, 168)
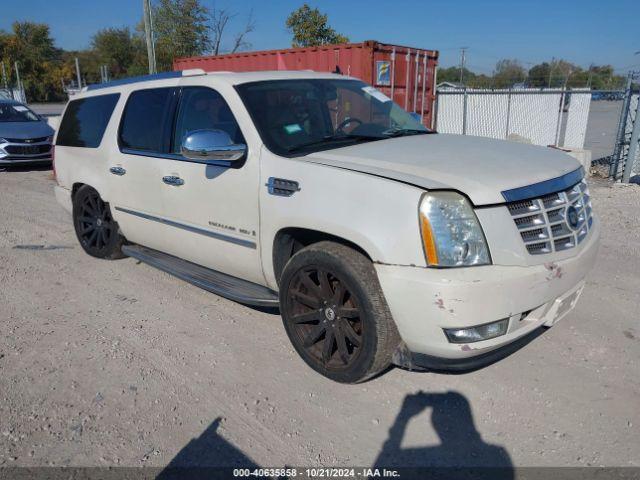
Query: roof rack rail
point(146, 78)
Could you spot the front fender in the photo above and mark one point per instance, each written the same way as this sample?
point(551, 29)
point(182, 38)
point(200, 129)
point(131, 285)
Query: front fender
point(377, 214)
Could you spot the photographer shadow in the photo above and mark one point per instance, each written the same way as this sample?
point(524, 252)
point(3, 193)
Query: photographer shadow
point(209, 456)
point(461, 454)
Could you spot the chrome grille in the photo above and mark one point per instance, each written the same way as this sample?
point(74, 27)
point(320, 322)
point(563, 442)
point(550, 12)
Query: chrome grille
point(543, 222)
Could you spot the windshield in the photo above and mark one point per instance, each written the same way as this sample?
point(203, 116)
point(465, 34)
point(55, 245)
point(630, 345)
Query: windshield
point(297, 117)
point(16, 113)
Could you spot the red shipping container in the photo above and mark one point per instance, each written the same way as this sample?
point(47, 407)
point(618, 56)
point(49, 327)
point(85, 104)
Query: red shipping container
point(405, 74)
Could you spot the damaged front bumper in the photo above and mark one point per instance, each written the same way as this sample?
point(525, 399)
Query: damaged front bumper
point(425, 301)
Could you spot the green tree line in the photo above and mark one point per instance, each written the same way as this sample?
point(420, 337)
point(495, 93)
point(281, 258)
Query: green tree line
point(554, 74)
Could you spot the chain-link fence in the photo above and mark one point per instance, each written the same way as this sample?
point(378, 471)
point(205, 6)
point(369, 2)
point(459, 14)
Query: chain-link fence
point(540, 116)
point(624, 163)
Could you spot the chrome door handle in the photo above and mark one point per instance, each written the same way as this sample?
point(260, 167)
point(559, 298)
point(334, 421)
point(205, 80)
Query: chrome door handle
point(118, 171)
point(173, 180)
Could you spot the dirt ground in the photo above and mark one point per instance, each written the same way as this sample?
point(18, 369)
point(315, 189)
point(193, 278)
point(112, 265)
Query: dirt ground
point(116, 363)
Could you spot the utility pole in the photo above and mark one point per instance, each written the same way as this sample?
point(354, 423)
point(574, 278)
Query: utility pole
point(78, 77)
point(590, 76)
point(4, 77)
point(18, 81)
point(148, 33)
point(463, 51)
point(553, 61)
point(104, 73)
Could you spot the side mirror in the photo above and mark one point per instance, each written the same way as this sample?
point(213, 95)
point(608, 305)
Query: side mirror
point(211, 145)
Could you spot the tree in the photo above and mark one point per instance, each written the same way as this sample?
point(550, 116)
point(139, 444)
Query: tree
point(507, 73)
point(31, 45)
point(119, 50)
point(556, 73)
point(219, 20)
point(239, 41)
point(181, 29)
point(539, 75)
point(310, 28)
point(603, 78)
point(452, 75)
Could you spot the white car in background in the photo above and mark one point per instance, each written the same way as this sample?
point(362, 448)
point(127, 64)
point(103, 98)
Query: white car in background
point(380, 241)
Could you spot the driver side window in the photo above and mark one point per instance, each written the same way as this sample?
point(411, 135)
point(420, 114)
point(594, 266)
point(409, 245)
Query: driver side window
point(202, 108)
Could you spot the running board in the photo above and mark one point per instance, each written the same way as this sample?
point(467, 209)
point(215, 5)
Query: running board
point(219, 283)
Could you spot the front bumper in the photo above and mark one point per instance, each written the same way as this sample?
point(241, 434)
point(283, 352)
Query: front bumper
point(43, 159)
point(24, 152)
point(423, 301)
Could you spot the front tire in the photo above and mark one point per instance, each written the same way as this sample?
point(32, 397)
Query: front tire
point(97, 231)
point(335, 314)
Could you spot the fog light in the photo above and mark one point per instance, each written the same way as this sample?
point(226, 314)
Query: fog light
point(476, 334)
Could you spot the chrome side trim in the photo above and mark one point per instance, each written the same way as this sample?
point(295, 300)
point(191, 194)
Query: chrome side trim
point(175, 156)
point(544, 188)
point(200, 231)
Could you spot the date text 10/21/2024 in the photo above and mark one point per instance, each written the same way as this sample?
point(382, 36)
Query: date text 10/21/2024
point(317, 472)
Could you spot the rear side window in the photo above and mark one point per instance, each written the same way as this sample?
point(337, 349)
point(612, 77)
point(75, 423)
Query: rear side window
point(85, 121)
point(147, 120)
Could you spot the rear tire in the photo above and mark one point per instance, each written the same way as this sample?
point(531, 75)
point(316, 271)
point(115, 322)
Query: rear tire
point(97, 231)
point(335, 314)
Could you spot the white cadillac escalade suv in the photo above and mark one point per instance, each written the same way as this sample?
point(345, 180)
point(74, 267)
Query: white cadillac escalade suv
point(380, 241)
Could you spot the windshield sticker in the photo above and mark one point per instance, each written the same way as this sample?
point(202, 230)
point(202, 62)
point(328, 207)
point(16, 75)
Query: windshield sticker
point(378, 95)
point(20, 108)
point(293, 128)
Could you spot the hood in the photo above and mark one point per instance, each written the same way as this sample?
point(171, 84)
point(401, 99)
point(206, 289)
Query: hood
point(23, 130)
point(479, 167)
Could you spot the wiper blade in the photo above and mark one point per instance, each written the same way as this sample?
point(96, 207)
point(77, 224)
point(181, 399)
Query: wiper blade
point(399, 132)
point(332, 138)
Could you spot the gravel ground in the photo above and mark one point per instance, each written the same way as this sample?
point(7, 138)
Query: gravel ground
point(115, 363)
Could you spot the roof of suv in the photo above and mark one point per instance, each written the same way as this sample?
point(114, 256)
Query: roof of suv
point(233, 78)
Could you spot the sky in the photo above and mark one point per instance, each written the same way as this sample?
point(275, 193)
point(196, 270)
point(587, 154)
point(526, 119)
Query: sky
point(582, 32)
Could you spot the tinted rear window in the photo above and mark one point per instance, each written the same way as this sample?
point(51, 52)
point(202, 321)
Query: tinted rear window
point(85, 121)
point(147, 120)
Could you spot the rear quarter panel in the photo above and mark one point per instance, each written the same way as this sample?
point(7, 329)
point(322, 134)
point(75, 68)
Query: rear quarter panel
point(89, 165)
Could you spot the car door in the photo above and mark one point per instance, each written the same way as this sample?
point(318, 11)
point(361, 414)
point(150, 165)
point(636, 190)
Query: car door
point(213, 206)
point(136, 168)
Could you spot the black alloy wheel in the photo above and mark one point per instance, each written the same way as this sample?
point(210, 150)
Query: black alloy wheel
point(95, 228)
point(335, 314)
point(325, 317)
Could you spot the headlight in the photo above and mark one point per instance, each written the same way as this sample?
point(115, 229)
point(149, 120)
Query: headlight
point(451, 233)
